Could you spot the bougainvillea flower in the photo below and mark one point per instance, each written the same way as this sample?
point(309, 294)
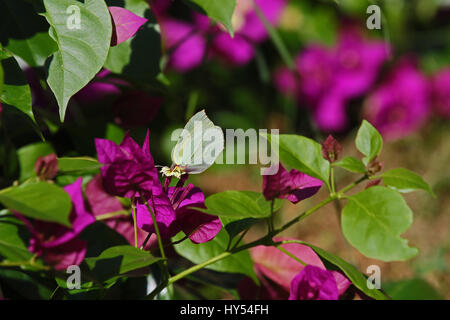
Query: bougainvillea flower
point(326, 78)
point(187, 41)
point(357, 62)
point(103, 203)
point(286, 82)
point(276, 270)
point(291, 185)
point(58, 244)
point(401, 104)
point(314, 283)
point(441, 92)
point(68, 254)
point(125, 24)
point(331, 149)
point(135, 108)
point(46, 167)
point(200, 227)
point(129, 170)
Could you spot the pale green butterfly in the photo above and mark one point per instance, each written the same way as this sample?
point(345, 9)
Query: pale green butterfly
point(198, 146)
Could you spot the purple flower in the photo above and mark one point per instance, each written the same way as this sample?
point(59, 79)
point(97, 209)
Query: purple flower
point(441, 92)
point(276, 271)
point(103, 203)
point(125, 24)
point(100, 88)
point(329, 77)
point(400, 105)
point(129, 170)
point(58, 244)
point(187, 44)
point(291, 185)
point(46, 167)
point(200, 227)
point(314, 283)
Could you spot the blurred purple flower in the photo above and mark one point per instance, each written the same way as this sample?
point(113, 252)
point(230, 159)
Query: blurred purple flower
point(314, 283)
point(200, 227)
point(291, 185)
point(328, 78)
point(401, 104)
point(187, 41)
point(58, 244)
point(441, 92)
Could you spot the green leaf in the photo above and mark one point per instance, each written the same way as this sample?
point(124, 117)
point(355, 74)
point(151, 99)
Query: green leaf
point(412, 289)
point(353, 274)
point(12, 246)
point(16, 91)
point(373, 220)
point(303, 154)
point(24, 32)
point(138, 58)
point(368, 141)
point(220, 11)
point(28, 155)
point(78, 164)
point(120, 260)
point(351, 164)
point(198, 253)
point(81, 52)
point(41, 200)
point(405, 181)
point(234, 227)
point(238, 205)
point(1, 78)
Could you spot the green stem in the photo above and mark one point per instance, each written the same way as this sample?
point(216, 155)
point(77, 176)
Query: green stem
point(158, 235)
point(133, 209)
point(291, 255)
point(275, 37)
point(114, 214)
point(199, 266)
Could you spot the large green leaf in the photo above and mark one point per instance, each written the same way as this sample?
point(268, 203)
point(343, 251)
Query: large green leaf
point(78, 164)
point(24, 32)
point(356, 277)
point(12, 246)
point(120, 260)
point(239, 205)
point(28, 155)
point(368, 141)
point(303, 154)
point(198, 253)
point(351, 164)
point(81, 52)
point(138, 58)
point(220, 11)
point(411, 289)
point(16, 91)
point(42, 200)
point(404, 180)
point(374, 219)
